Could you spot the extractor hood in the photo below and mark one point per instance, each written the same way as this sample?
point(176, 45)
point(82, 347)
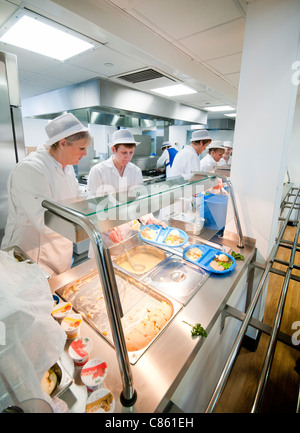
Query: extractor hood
point(106, 102)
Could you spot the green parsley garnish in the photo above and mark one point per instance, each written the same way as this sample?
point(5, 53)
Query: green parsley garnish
point(197, 330)
point(237, 256)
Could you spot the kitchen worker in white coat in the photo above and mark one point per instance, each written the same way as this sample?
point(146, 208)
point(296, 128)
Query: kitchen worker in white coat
point(117, 174)
point(47, 173)
point(226, 158)
point(215, 152)
point(187, 159)
point(165, 161)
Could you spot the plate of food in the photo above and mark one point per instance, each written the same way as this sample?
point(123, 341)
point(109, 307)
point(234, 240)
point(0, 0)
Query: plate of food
point(210, 259)
point(169, 236)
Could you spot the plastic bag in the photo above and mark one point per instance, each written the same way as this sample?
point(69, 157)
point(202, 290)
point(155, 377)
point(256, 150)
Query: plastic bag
point(31, 341)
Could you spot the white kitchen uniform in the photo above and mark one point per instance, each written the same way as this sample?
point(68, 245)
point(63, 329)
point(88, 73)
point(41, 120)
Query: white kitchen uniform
point(185, 162)
point(105, 178)
point(208, 163)
point(37, 177)
point(223, 162)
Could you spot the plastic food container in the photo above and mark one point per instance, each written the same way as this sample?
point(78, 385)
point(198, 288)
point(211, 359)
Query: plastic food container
point(100, 401)
point(61, 310)
point(79, 350)
point(93, 374)
point(71, 325)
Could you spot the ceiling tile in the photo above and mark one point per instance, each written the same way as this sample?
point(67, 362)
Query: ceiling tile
point(217, 42)
point(186, 18)
point(227, 64)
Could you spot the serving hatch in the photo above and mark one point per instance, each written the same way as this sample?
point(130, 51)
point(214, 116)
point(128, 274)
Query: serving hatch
point(138, 302)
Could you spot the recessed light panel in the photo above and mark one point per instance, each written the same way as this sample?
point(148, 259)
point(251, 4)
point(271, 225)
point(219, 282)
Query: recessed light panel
point(34, 35)
point(220, 108)
point(176, 90)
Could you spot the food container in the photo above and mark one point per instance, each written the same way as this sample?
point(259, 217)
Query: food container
point(167, 237)
point(61, 310)
point(178, 279)
point(71, 325)
point(147, 255)
point(100, 401)
point(79, 350)
point(93, 374)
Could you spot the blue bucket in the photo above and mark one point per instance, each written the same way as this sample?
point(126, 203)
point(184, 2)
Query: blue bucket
point(213, 208)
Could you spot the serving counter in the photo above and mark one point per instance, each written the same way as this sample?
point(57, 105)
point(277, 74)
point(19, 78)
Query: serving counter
point(176, 370)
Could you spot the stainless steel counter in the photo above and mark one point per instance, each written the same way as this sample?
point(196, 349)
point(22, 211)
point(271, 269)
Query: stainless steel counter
point(161, 368)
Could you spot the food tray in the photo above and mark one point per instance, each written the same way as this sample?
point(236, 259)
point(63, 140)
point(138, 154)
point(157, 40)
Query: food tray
point(209, 254)
point(178, 279)
point(138, 255)
point(162, 234)
point(86, 297)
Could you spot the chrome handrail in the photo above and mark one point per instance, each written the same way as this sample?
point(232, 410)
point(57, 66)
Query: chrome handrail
point(238, 341)
point(110, 291)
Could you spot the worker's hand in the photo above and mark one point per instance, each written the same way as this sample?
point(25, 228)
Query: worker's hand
point(115, 235)
point(153, 220)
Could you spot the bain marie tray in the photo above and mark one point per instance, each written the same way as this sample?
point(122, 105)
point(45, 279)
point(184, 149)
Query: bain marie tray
point(160, 235)
point(139, 255)
point(177, 279)
point(137, 300)
point(208, 254)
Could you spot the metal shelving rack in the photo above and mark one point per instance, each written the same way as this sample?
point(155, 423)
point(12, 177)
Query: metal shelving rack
point(246, 318)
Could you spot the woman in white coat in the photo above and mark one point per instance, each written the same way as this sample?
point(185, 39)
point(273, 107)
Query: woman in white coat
point(47, 173)
point(187, 159)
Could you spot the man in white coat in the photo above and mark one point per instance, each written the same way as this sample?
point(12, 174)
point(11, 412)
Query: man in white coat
point(187, 159)
point(215, 153)
point(118, 174)
point(47, 173)
point(165, 161)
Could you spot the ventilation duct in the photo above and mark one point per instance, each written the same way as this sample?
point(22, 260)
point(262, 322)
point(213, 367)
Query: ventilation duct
point(144, 75)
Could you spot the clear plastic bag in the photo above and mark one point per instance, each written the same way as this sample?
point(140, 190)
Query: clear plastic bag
point(31, 341)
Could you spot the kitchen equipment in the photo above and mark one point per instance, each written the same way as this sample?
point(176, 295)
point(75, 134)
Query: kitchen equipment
point(177, 279)
point(156, 256)
point(136, 267)
point(137, 299)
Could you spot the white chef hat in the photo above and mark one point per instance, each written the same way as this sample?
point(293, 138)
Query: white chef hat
point(201, 134)
point(165, 144)
point(62, 127)
point(216, 145)
point(123, 136)
point(227, 144)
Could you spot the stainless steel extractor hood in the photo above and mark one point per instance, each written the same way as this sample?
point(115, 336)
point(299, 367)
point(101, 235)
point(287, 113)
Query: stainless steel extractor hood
point(105, 102)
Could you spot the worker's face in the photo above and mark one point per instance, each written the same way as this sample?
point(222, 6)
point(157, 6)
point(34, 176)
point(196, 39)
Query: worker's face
point(217, 155)
point(74, 151)
point(228, 151)
point(123, 154)
point(200, 145)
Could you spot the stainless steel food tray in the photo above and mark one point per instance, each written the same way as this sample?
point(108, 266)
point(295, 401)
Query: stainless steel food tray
point(86, 297)
point(177, 279)
point(140, 249)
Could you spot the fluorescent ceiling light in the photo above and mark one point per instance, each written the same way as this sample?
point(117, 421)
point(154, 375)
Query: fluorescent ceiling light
point(230, 115)
point(219, 108)
point(34, 35)
point(176, 90)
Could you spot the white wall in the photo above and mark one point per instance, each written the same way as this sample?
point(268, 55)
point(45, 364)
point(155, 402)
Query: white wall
point(293, 160)
point(34, 132)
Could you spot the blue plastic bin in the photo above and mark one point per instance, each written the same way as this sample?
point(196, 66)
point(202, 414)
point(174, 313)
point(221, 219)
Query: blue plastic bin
point(213, 208)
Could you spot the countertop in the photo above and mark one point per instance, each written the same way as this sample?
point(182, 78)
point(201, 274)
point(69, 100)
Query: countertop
point(158, 372)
